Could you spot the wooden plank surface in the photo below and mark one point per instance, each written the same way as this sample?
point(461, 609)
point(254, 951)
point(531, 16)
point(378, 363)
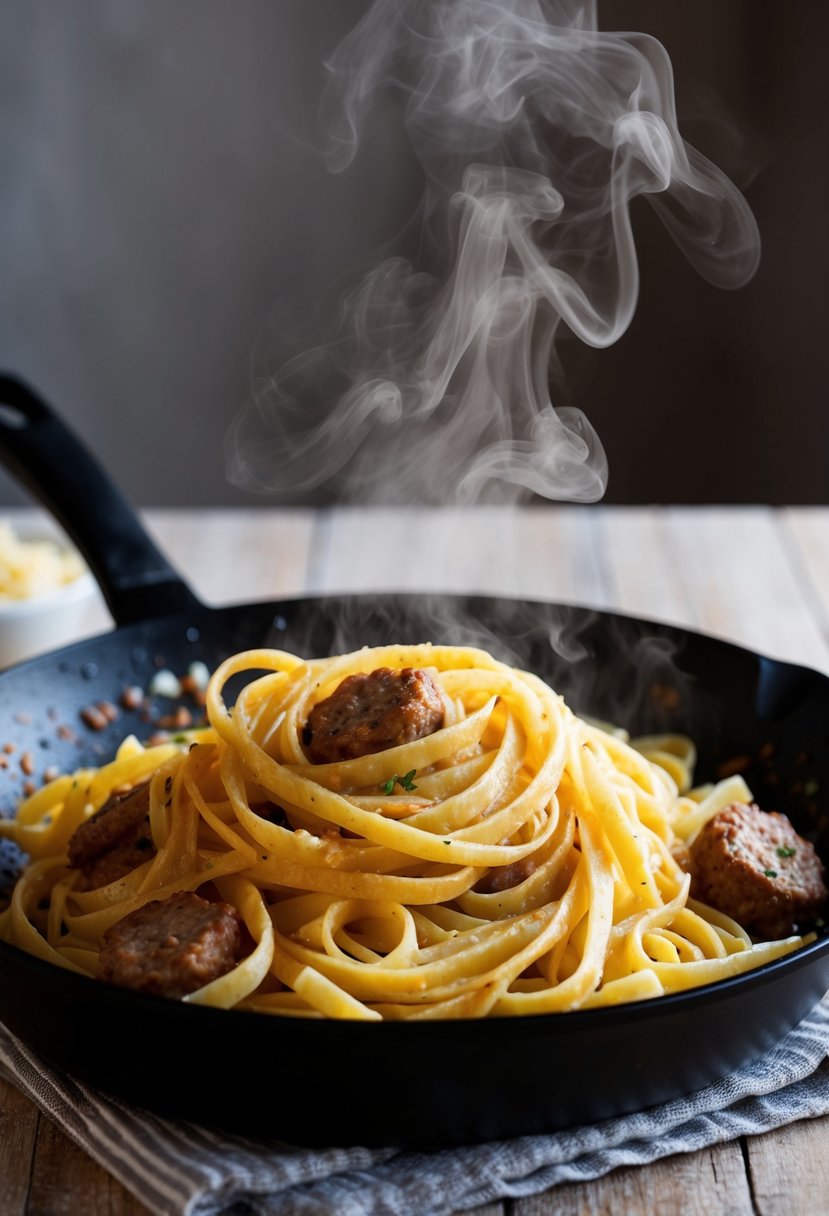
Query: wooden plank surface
point(712, 1182)
point(754, 575)
point(531, 552)
point(232, 556)
point(788, 1170)
point(66, 1181)
point(19, 1122)
point(742, 584)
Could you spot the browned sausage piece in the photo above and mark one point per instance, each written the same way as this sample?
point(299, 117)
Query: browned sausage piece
point(115, 840)
point(501, 878)
point(172, 946)
point(370, 713)
point(753, 866)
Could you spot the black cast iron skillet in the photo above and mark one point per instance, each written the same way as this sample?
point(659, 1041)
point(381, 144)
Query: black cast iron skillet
point(429, 1083)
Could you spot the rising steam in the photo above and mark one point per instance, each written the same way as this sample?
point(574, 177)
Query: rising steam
point(534, 131)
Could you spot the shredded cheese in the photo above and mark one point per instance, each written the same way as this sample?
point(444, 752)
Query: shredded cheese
point(30, 568)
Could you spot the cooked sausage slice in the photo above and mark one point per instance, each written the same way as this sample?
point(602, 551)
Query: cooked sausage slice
point(501, 878)
point(370, 713)
point(172, 946)
point(753, 866)
point(115, 840)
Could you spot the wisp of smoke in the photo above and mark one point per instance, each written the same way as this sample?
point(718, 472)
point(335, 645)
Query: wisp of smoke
point(534, 131)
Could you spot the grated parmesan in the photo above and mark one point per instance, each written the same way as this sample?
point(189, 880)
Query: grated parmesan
point(30, 568)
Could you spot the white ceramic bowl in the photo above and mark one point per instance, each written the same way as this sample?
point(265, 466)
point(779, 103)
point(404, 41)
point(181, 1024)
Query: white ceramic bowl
point(44, 622)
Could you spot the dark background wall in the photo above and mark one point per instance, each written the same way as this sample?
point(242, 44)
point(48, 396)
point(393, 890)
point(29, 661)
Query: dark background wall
point(165, 226)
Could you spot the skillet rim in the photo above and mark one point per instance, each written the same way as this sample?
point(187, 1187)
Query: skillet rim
point(383, 594)
point(575, 1018)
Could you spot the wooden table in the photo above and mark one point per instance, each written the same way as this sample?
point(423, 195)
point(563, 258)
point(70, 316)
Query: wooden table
point(756, 575)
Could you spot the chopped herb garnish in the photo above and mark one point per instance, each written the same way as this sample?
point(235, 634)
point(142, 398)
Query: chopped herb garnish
point(786, 850)
point(811, 787)
point(770, 873)
point(209, 865)
point(406, 781)
point(820, 923)
point(447, 842)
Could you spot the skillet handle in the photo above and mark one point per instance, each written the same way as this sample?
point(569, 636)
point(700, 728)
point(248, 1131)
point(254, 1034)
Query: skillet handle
point(45, 456)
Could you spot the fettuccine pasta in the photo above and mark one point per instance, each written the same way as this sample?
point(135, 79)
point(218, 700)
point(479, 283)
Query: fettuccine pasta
point(517, 860)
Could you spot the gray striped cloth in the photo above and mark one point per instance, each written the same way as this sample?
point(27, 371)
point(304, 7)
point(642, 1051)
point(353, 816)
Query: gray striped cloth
point(176, 1167)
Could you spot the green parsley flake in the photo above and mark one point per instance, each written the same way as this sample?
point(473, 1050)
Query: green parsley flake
point(786, 850)
point(406, 781)
point(770, 873)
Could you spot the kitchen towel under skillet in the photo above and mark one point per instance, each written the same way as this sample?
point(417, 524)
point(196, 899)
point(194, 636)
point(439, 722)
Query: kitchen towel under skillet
point(176, 1167)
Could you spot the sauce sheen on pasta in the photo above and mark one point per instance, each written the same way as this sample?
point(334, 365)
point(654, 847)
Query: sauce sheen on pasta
point(494, 854)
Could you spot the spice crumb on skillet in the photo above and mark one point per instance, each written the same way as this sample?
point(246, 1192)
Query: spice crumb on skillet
point(92, 717)
point(180, 719)
point(132, 697)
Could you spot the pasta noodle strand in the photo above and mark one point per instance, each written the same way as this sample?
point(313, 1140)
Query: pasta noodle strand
point(529, 865)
